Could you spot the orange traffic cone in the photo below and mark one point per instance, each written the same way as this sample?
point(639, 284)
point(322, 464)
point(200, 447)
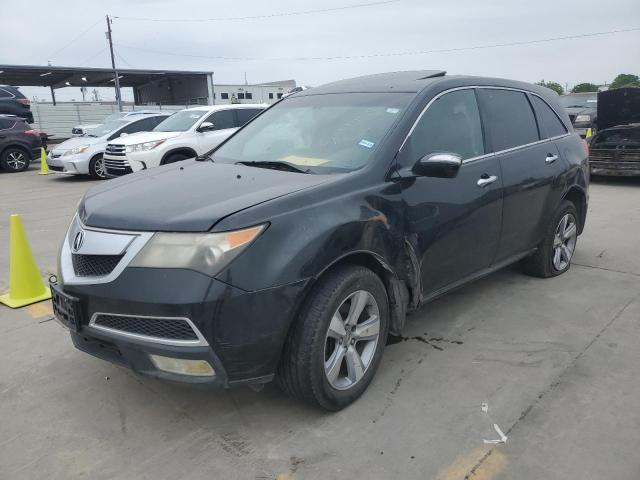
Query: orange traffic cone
point(25, 283)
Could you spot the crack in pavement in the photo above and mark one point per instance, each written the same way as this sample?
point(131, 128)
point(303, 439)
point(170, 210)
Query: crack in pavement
point(553, 384)
point(633, 274)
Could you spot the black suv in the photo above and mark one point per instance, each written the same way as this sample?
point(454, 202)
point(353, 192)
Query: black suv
point(12, 102)
point(293, 249)
point(19, 144)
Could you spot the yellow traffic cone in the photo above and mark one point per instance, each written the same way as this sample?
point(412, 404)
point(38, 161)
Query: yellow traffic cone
point(588, 133)
point(25, 283)
point(44, 168)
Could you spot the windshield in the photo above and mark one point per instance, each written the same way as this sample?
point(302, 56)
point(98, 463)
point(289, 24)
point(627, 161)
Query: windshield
point(180, 121)
point(113, 116)
point(318, 133)
point(583, 101)
point(106, 128)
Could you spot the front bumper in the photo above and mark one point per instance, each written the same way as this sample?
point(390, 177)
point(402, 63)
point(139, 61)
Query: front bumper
point(74, 164)
point(244, 331)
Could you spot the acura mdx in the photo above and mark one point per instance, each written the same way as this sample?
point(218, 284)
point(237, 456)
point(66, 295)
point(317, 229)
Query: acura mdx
point(292, 250)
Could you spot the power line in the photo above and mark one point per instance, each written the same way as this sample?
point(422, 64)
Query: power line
point(256, 17)
point(72, 41)
point(123, 59)
point(391, 54)
point(80, 64)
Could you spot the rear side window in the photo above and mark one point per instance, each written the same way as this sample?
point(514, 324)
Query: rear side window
point(510, 118)
point(246, 114)
point(5, 94)
point(450, 125)
point(6, 124)
point(222, 119)
point(549, 123)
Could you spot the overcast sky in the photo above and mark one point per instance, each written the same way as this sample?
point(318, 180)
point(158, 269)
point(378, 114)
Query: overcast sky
point(34, 35)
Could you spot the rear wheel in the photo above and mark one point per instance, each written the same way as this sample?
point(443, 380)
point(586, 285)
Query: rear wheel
point(334, 350)
point(97, 168)
point(555, 252)
point(14, 159)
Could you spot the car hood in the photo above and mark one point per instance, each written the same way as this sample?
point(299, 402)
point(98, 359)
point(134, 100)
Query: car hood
point(76, 142)
point(187, 196)
point(142, 137)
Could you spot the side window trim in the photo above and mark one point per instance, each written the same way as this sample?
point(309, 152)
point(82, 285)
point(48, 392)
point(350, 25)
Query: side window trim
point(539, 127)
point(490, 154)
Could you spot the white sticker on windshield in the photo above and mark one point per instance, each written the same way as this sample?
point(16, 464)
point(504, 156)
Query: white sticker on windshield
point(366, 143)
point(393, 110)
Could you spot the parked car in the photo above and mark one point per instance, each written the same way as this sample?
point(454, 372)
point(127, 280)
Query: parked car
point(84, 155)
point(186, 134)
point(80, 130)
point(19, 144)
point(13, 102)
point(294, 248)
point(615, 150)
point(582, 109)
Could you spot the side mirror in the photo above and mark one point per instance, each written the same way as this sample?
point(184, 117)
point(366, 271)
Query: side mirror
point(206, 127)
point(441, 165)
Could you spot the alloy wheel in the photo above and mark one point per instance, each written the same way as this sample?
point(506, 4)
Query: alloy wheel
point(100, 168)
point(16, 160)
point(564, 242)
point(351, 340)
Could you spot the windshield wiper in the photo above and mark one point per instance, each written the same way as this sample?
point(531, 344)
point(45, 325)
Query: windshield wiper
point(275, 165)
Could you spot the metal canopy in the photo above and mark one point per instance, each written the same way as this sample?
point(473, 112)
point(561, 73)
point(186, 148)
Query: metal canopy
point(57, 77)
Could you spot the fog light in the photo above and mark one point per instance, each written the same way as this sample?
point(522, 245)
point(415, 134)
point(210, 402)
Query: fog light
point(197, 368)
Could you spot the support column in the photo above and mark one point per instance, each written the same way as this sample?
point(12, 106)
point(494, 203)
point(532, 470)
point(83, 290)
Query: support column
point(53, 94)
point(210, 94)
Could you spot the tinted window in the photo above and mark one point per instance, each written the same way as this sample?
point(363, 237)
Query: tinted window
point(224, 96)
point(246, 114)
point(511, 119)
point(279, 95)
point(5, 94)
point(106, 128)
point(6, 124)
point(248, 96)
point(222, 119)
point(451, 124)
point(241, 96)
point(180, 121)
point(271, 95)
point(145, 125)
point(550, 124)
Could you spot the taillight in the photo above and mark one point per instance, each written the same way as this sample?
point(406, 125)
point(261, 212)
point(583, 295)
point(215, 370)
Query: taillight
point(586, 146)
point(23, 101)
point(35, 133)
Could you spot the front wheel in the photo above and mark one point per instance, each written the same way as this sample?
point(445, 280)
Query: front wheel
point(333, 351)
point(555, 252)
point(97, 168)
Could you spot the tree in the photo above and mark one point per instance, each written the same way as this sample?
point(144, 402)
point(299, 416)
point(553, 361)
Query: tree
point(625, 80)
point(584, 87)
point(555, 86)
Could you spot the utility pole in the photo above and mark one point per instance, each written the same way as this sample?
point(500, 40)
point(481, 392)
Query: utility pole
point(113, 65)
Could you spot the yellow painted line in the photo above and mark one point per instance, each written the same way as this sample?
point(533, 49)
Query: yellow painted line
point(463, 466)
point(39, 310)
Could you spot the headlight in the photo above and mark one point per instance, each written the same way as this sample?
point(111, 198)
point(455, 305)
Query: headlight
point(76, 150)
point(142, 147)
point(207, 253)
point(583, 118)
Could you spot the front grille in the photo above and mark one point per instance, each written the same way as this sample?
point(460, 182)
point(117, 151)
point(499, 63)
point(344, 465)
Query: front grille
point(619, 158)
point(94, 265)
point(76, 131)
point(165, 328)
point(117, 166)
point(56, 155)
point(56, 169)
point(116, 150)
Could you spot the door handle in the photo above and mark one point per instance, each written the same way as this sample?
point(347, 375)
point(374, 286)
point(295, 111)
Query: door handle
point(551, 158)
point(486, 180)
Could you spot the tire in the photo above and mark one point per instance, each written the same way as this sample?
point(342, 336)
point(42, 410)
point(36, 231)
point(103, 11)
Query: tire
point(15, 159)
point(316, 366)
point(97, 169)
point(174, 157)
point(544, 262)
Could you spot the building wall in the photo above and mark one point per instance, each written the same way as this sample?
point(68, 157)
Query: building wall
point(262, 93)
point(59, 119)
